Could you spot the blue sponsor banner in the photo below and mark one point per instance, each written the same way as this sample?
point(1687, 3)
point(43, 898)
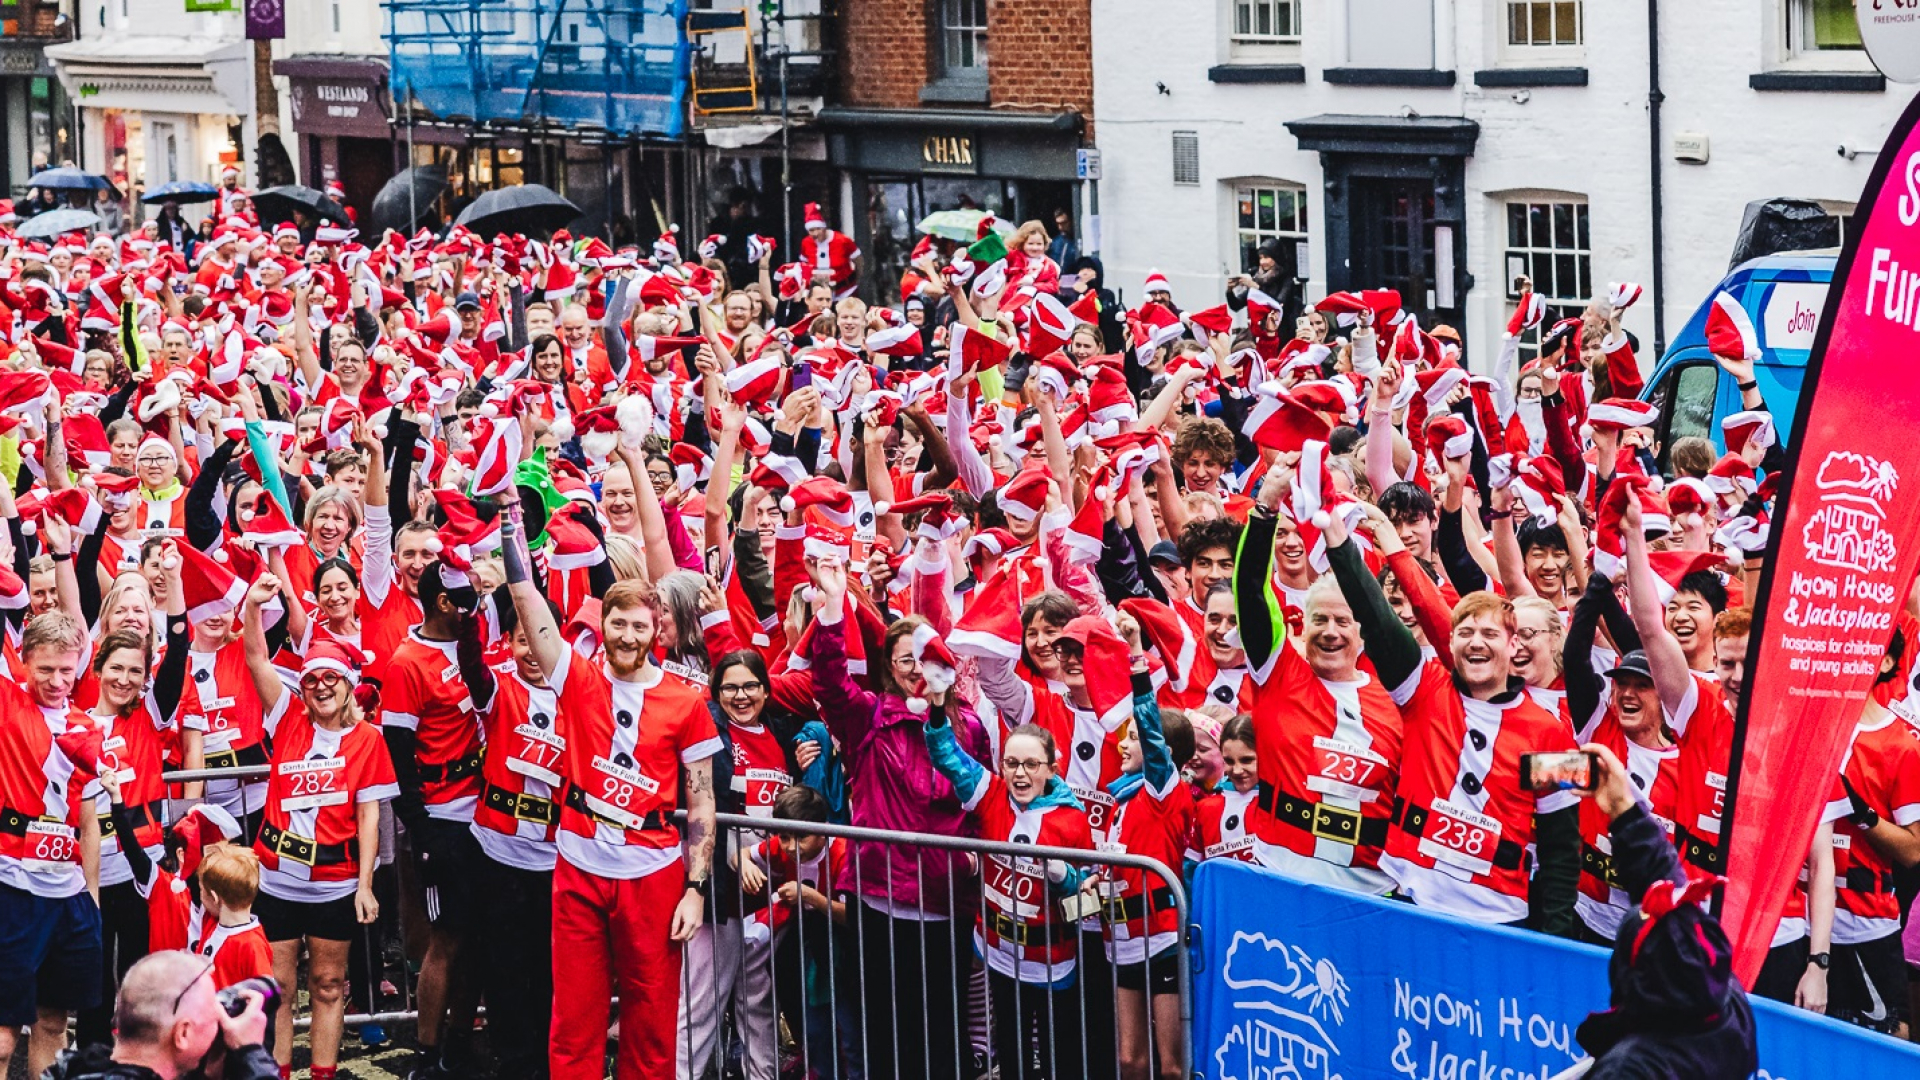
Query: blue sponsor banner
point(1300, 981)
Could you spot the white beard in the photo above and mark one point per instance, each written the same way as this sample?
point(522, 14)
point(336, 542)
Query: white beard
point(1533, 418)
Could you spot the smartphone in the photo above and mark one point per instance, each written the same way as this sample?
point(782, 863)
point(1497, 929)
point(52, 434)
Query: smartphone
point(802, 377)
point(1080, 905)
point(1570, 770)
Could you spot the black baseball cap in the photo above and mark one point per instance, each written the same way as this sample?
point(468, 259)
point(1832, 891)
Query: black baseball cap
point(1164, 552)
point(1634, 663)
point(467, 301)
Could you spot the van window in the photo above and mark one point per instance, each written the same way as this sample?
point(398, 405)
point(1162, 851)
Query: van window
point(1687, 396)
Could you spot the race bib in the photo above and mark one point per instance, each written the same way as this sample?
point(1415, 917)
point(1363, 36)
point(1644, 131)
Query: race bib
point(620, 787)
point(760, 787)
point(1099, 806)
point(220, 703)
point(1347, 770)
point(1241, 849)
point(314, 783)
point(450, 673)
point(1015, 886)
point(538, 753)
point(1461, 837)
point(1710, 823)
point(50, 847)
point(219, 737)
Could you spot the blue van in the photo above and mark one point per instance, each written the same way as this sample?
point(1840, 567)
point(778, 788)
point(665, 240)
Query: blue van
point(1784, 295)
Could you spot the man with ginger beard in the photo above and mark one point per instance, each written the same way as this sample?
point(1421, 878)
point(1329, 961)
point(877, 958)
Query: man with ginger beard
point(625, 895)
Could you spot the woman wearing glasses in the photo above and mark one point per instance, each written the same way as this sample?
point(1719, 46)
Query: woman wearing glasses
point(319, 835)
point(1029, 943)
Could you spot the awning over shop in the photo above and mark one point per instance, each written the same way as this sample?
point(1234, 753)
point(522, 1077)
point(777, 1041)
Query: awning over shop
point(157, 73)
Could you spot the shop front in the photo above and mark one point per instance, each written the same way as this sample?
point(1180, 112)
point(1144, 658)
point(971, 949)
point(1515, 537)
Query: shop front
point(899, 165)
point(342, 117)
point(159, 109)
point(39, 117)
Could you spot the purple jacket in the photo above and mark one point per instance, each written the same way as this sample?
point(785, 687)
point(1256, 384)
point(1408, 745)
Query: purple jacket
point(892, 782)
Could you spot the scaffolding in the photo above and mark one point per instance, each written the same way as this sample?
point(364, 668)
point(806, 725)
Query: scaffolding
point(619, 66)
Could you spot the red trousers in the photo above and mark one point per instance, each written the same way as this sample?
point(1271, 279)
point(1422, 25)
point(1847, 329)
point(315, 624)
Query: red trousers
point(610, 935)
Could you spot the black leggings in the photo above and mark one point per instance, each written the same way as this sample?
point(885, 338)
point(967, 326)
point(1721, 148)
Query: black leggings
point(913, 1010)
point(123, 940)
point(519, 965)
point(1036, 1030)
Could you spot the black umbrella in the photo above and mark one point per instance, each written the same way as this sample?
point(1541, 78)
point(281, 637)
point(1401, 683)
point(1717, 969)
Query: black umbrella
point(409, 199)
point(526, 208)
point(70, 179)
point(181, 191)
point(277, 204)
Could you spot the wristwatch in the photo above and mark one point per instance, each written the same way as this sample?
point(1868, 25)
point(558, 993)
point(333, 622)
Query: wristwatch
point(1821, 960)
point(705, 886)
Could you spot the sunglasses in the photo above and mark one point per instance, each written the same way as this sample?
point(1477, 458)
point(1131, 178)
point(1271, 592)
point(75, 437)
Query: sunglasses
point(185, 990)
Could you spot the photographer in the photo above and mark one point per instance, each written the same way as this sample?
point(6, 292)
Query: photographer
point(170, 1023)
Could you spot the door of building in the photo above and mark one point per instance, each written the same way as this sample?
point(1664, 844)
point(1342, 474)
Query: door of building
point(1393, 241)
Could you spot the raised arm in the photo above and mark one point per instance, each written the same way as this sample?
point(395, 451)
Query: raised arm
point(1380, 471)
point(303, 351)
point(266, 681)
point(543, 637)
point(1389, 644)
point(1263, 622)
point(1671, 675)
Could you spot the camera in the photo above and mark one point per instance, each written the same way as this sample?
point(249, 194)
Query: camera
point(233, 1004)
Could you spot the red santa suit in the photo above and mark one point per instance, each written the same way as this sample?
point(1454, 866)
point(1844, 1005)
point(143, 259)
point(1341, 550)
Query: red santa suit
point(835, 257)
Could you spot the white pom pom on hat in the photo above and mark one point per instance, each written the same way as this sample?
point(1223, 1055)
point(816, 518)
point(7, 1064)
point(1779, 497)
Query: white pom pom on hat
point(170, 563)
point(917, 706)
point(809, 594)
point(880, 508)
point(434, 545)
point(787, 504)
point(562, 429)
point(1321, 519)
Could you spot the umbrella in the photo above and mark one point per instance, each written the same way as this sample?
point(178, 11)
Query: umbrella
point(408, 199)
point(181, 191)
point(522, 208)
point(961, 225)
point(277, 204)
point(68, 179)
point(57, 223)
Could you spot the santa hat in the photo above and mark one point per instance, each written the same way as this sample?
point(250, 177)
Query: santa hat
point(690, 465)
point(1025, 496)
point(1168, 635)
point(1156, 282)
point(938, 666)
point(753, 383)
point(971, 350)
point(1622, 295)
point(825, 542)
point(574, 545)
point(1302, 356)
point(1753, 427)
point(1153, 326)
point(72, 505)
point(459, 540)
point(499, 444)
point(438, 329)
point(1743, 536)
point(824, 494)
point(27, 393)
point(991, 624)
point(1109, 399)
point(1609, 541)
point(1670, 568)
point(1279, 422)
point(268, 526)
point(1731, 477)
point(208, 588)
point(937, 519)
point(206, 824)
point(1451, 435)
point(1730, 331)
point(1050, 325)
point(759, 247)
point(1214, 320)
point(1688, 495)
point(1539, 483)
point(86, 442)
point(988, 543)
point(1108, 668)
point(1619, 414)
point(812, 218)
point(666, 249)
point(1532, 310)
point(896, 341)
point(335, 431)
point(1348, 307)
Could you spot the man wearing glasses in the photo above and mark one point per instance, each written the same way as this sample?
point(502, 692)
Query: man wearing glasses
point(166, 1020)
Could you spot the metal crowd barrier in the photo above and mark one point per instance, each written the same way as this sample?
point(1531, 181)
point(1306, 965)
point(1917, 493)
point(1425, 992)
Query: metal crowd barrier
point(740, 1011)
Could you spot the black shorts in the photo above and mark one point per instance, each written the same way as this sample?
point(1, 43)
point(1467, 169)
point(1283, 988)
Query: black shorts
point(50, 954)
point(1867, 984)
point(1154, 976)
point(291, 920)
point(451, 875)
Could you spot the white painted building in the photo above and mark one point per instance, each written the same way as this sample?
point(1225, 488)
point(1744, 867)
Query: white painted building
point(1488, 136)
point(162, 92)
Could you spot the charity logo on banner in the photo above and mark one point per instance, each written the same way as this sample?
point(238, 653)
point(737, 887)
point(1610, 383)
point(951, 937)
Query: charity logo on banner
point(1841, 555)
point(1303, 982)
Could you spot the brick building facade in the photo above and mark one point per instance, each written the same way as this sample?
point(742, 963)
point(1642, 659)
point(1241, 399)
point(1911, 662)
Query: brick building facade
point(941, 104)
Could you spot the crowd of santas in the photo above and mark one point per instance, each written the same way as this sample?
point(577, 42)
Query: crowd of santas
point(499, 552)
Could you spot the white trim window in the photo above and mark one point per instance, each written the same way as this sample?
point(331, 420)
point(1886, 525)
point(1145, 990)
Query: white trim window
point(1818, 27)
point(963, 36)
point(1548, 242)
point(1543, 31)
point(1263, 29)
point(1270, 210)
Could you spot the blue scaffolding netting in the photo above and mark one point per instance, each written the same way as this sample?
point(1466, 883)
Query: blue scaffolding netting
point(620, 66)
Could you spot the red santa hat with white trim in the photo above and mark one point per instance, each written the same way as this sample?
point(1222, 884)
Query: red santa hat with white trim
point(208, 588)
point(939, 668)
point(1168, 635)
point(1024, 497)
point(1278, 421)
point(1620, 414)
point(990, 626)
point(824, 494)
point(1730, 331)
point(1108, 666)
point(1753, 427)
